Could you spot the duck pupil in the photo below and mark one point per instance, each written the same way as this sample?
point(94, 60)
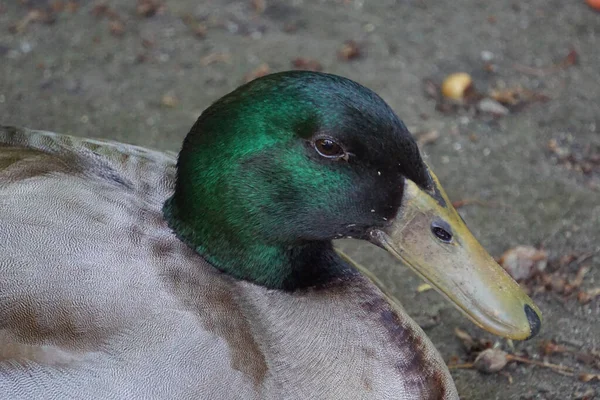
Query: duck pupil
point(442, 234)
point(328, 148)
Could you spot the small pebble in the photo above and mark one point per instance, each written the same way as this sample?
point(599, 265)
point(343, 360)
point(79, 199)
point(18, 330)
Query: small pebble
point(25, 47)
point(487, 55)
point(491, 106)
point(491, 360)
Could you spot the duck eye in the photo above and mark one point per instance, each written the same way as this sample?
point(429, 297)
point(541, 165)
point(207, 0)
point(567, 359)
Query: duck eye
point(328, 148)
point(443, 234)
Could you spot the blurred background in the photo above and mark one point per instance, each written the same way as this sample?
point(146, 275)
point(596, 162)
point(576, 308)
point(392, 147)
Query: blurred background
point(514, 138)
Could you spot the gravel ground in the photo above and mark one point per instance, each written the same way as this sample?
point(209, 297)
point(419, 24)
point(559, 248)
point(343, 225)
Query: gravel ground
point(114, 73)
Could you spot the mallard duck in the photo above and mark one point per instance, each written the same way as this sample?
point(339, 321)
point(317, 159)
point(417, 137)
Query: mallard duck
point(129, 273)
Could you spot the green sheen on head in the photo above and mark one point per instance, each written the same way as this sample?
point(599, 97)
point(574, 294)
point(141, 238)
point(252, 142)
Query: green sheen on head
point(252, 190)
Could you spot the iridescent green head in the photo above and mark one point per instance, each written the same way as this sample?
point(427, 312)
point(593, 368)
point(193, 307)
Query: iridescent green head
point(286, 160)
point(274, 171)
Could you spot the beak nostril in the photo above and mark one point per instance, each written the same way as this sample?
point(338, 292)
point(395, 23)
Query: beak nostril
point(534, 321)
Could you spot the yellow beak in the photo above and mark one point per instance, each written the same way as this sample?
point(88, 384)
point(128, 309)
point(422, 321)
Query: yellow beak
point(456, 265)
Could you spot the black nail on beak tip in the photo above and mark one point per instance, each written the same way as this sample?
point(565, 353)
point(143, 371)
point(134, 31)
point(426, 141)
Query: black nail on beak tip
point(534, 321)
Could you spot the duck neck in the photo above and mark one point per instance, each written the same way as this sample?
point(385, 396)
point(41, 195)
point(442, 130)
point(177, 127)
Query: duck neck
point(285, 266)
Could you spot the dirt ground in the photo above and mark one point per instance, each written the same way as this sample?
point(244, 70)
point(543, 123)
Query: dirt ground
point(143, 75)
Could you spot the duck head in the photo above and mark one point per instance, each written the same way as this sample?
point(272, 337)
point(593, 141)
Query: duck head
point(271, 173)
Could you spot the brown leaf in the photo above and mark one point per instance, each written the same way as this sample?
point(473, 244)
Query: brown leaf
point(290, 27)
point(102, 9)
point(489, 67)
point(589, 377)
point(550, 347)
point(555, 283)
point(72, 6)
point(147, 43)
point(261, 70)
point(148, 8)
point(571, 59)
point(350, 50)
point(198, 28)
point(585, 297)
point(99, 9)
point(523, 262)
point(588, 394)
point(31, 17)
point(306, 64)
point(587, 358)
point(568, 258)
point(578, 280)
point(259, 6)
point(427, 137)
point(213, 58)
point(57, 6)
point(507, 96)
point(117, 28)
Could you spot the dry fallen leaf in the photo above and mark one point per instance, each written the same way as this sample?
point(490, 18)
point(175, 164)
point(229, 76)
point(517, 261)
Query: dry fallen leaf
point(306, 64)
point(213, 58)
point(148, 8)
point(350, 50)
point(169, 100)
point(509, 96)
point(427, 137)
point(197, 27)
point(517, 97)
point(31, 17)
point(588, 394)
point(572, 58)
point(259, 6)
point(57, 6)
point(72, 6)
point(578, 280)
point(589, 377)
point(585, 297)
point(102, 9)
point(261, 70)
point(550, 347)
point(117, 28)
point(523, 262)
